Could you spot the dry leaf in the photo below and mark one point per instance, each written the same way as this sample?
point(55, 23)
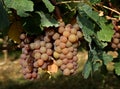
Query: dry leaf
point(15, 31)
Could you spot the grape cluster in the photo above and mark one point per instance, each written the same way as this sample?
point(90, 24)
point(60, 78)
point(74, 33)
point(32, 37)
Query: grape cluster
point(115, 44)
point(57, 45)
point(66, 42)
point(35, 53)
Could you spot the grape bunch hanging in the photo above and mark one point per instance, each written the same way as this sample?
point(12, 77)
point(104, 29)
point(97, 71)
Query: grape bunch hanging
point(56, 45)
point(115, 44)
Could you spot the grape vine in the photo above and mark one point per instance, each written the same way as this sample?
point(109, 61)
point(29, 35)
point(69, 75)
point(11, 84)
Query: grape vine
point(52, 31)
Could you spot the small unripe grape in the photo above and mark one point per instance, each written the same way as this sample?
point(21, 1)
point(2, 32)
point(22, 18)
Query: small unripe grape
point(47, 39)
point(116, 40)
point(28, 70)
point(63, 39)
point(58, 49)
point(61, 24)
point(59, 62)
point(62, 45)
point(68, 44)
point(66, 33)
point(34, 75)
point(65, 51)
point(75, 58)
point(79, 34)
point(73, 31)
point(50, 32)
point(116, 35)
point(28, 76)
point(57, 42)
point(26, 46)
point(72, 38)
point(56, 36)
point(56, 55)
point(37, 55)
point(118, 45)
point(35, 64)
point(40, 62)
point(66, 72)
point(42, 43)
point(65, 61)
point(61, 29)
point(75, 45)
point(68, 27)
point(43, 49)
point(44, 57)
point(22, 36)
point(23, 56)
point(44, 66)
point(37, 45)
point(70, 66)
point(63, 66)
point(48, 45)
point(76, 26)
point(71, 48)
point(74, 53)
point(24, 51)
point(62, 56)
point(32, 46)
point(69, 55)
point(49, 52)
point(114, 45)
point(27, 40)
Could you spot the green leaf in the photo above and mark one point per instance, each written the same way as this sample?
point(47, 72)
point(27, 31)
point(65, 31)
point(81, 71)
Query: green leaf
point(94, 1)
point(49, 6)
point(21, 6)
point(106, 58)
point(117, 68)
point(47, 20)
point(87, 27)
point(87, 69)
point(32, 24)
point(106, 32)
point(4, 22)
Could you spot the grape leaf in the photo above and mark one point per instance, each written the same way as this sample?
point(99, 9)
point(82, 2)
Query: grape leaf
point(47, 20)
point(117, 68)
point(15, 31)
point(106, 58)
point(94, 1)
point(86, 26)
point(32, 24)
point(106, 32)
point(49, 6)
point(4, 22)
point(87, 69)
point(21, 6)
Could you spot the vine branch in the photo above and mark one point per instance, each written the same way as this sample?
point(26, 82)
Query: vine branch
point(113, 10)
point(65, 2)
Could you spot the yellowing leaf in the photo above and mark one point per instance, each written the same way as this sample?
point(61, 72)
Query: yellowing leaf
point(15, 31)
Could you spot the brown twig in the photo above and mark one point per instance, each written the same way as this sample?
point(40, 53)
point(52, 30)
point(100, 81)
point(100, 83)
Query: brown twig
point(64, 2)
point(57, 11)
point(113, 10)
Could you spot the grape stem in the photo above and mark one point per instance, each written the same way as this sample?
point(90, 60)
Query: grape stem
point(64, 2)
point(57, 11)
point(113, 10)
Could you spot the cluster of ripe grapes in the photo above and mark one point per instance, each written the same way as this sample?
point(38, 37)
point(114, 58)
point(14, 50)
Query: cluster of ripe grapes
point(115, 44)
point(66, 42)
point(57, 44)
